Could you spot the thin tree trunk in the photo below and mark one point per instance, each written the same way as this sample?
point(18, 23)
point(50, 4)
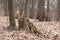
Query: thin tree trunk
point(15, 7)
point(32, 10)
point(11, 14)
point(52, 12)
point(47, 5)
point(26, 14)
point(35, 9)
point(47, 10)
point(41, 10)
point(22, 21)
point(58, 6)
point(5, 7)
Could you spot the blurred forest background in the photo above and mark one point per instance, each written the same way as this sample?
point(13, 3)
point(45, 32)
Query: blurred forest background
point(41, 10)
point(26, 14)
point(36, 9)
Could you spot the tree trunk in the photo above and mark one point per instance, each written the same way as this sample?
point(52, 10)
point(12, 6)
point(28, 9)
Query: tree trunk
point(15, 7)
point(22, 21)
point(5, 7)
point(41, 10)
point(58, 6)
point(11, 14)
point(35, 8)
point(52, 12)
point(47, 5)
point(47, 10)
point(31, 9)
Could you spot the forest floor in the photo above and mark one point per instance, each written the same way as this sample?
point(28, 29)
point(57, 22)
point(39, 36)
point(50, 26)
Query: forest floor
point(49, 31)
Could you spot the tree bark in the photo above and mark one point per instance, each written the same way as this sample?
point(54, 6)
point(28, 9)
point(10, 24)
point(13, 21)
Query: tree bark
point(52, 12)
point(22, 21)
point(58, 6)
point(47, 10)
point(11, 14)
point(31, 9)
point(5, 7)
point(41, 10)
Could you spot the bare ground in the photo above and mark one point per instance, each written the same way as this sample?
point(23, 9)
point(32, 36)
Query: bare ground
point(49, 31)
